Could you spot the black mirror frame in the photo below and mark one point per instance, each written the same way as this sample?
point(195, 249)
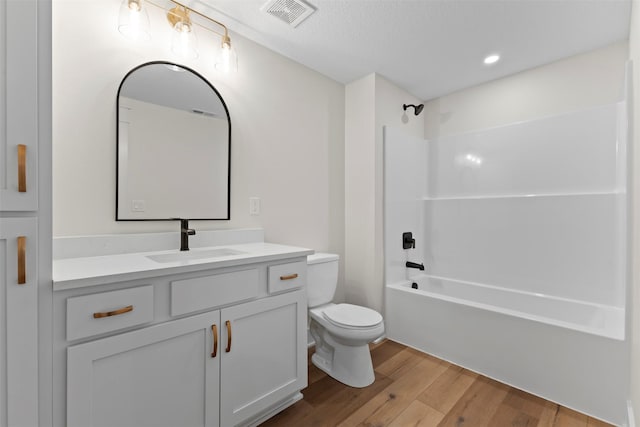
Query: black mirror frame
point(228, 217)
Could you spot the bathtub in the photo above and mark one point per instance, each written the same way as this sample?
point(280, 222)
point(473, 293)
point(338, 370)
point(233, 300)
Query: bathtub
point(556, 348)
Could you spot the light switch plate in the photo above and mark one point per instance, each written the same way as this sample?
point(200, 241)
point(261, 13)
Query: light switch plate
point(254, 206)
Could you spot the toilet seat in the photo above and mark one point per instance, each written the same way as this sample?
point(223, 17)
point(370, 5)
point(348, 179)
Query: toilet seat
point(352, 316)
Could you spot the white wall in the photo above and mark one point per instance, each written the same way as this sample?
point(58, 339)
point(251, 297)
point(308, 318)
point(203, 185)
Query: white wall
point(405, 186)
point(371, 103)
point(634, 49)
point(590, 79)
point(359, 190)
point(287, 131)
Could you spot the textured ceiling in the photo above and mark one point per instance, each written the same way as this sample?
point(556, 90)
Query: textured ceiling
point(429, 47)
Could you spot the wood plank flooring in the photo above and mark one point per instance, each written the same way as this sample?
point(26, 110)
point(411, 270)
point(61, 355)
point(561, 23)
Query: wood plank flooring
point(415, 389)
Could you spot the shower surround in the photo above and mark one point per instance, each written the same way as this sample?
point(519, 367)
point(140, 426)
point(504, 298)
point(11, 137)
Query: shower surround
point(522, 230)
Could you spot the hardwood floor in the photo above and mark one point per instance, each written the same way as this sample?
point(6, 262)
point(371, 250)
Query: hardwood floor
point(415, 389)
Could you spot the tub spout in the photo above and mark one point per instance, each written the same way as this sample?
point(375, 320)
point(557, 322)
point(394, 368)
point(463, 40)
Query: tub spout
point(410, 264)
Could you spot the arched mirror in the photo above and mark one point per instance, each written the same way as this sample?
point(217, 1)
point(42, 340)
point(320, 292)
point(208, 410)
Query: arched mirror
point(174, 146)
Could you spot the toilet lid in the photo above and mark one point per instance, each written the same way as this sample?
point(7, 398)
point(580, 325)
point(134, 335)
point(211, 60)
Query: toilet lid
point(350, 315)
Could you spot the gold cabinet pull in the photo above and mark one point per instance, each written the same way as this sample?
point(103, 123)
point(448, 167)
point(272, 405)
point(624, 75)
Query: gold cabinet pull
point(289, 277)
point(113, 313)
point(228, 349)
point(214, 332)
point(22, 168)
point(22, 260)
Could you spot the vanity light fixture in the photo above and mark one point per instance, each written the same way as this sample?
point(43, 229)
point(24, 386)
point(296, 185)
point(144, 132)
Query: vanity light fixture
point(227, 59)
point(184, 40)
point(133, 20)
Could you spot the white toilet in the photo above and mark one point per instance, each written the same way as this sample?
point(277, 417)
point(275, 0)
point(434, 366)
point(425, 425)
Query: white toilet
point(342, 332)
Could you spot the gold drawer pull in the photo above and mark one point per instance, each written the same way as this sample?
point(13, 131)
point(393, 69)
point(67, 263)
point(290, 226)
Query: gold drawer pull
point(289, 277)
point(22, 260)
point(113, 313)
point(228, 349)
point(214, 332)
point(22, 168)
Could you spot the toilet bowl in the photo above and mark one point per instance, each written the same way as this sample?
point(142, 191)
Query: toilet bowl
point(341, 332)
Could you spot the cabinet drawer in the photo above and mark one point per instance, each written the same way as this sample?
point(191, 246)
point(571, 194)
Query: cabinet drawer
point(216, 290)
point(285, 277)
point(108, 311)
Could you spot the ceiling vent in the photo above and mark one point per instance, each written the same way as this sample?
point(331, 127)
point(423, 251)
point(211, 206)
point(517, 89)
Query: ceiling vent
point(291, 12)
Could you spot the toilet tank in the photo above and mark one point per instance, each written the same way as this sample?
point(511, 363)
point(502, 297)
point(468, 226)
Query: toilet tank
point(322, 278)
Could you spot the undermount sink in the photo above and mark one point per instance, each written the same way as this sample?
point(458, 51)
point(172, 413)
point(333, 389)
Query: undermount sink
point(194, 254)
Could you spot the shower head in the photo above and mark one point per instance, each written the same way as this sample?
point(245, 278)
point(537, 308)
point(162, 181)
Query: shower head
point(417, 109)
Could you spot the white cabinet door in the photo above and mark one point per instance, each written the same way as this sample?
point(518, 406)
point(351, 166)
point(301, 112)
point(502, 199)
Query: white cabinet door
point(18, 106)
point(267, 358)
point(163, 375)
point(19, 318)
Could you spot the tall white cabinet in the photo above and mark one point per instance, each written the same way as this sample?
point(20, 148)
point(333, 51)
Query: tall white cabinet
point(18, 106)
point(19, 318)
point(24, 126)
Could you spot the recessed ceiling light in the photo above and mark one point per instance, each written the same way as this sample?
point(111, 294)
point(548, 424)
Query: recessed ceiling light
point(492, 59)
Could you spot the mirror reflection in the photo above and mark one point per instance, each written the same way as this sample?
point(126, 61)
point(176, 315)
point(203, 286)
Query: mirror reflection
point(174, 140)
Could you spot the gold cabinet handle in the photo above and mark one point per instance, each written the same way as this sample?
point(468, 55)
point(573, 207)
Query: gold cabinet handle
point(22, 260)
point(289, 277)
point(113, 313)
point(214, 332)
point(22, 168)
point(228, 349)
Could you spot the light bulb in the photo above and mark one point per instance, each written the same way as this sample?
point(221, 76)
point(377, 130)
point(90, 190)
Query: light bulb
point(134, 5)
point(227, 60)
point(184, 42)
point(183, 27)
point(226, 53)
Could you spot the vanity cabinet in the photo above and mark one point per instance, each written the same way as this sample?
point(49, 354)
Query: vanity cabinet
point(213, 348)
point(163, 375)
point(265, 363)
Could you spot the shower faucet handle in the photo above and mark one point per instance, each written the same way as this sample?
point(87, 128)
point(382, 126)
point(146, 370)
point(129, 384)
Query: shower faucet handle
point(408, 242)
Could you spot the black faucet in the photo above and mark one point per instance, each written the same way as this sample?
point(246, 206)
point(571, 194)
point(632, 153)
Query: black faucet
point(410, 264)
point(185, 232)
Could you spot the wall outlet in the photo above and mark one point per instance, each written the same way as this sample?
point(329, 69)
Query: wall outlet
point(138, 206)
point(254, 206)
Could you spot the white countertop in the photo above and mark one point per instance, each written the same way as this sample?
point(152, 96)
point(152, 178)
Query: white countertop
point(74, 273)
